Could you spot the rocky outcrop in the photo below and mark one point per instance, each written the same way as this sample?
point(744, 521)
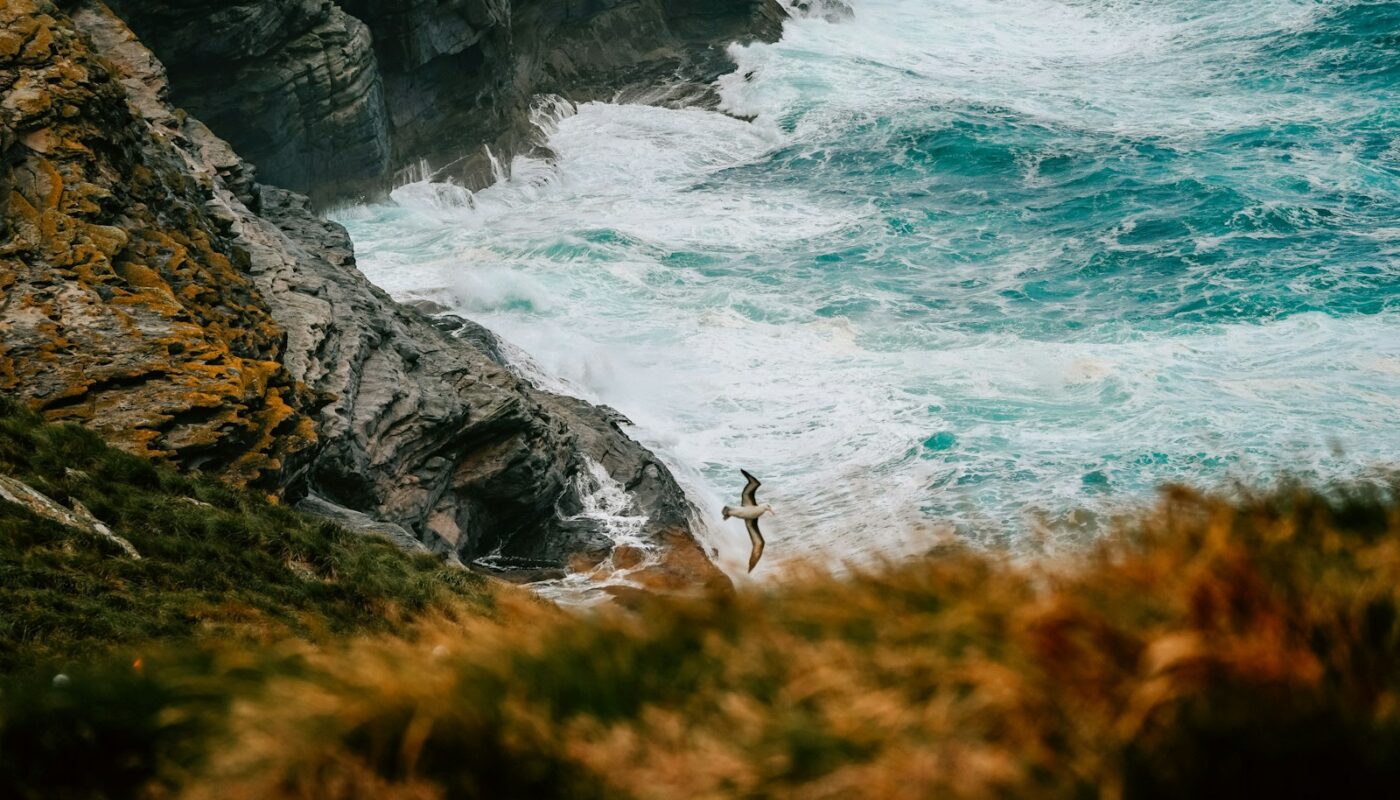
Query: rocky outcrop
point(364, 524)
point(19, 493)
point(333, 98)
point(429, 428)
point(123, 304)
point(154, 291)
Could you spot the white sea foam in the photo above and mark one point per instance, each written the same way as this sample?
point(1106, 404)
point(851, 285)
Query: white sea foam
point(743, 316)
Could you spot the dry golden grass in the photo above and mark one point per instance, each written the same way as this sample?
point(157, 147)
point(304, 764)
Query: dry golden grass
point(1208, 647)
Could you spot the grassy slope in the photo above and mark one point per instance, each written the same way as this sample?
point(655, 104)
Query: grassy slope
point(239, 568)
point(1209, 647)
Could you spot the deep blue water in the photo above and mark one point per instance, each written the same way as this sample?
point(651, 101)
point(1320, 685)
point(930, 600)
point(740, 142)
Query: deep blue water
point(974, 266)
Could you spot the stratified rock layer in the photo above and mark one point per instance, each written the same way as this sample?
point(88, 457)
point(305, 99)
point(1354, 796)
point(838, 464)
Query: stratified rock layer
point(332, 98)
point(442, 438)
point(152, 290)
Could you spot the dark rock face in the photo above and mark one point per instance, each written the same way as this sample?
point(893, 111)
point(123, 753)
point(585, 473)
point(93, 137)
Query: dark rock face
point(151, 289)
point(428, 428)
point(293, 84)
point(332, 98)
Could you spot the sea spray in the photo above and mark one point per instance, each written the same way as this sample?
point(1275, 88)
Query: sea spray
point(972, 265)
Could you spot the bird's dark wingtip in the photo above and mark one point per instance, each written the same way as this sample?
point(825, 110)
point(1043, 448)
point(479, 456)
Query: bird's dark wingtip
point(755, 536)
point(747, 475)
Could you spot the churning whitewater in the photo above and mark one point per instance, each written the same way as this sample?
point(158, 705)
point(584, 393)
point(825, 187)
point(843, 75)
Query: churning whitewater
point(974, 265)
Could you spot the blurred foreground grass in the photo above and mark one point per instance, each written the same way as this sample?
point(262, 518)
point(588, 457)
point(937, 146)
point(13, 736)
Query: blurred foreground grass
point(1249, 647)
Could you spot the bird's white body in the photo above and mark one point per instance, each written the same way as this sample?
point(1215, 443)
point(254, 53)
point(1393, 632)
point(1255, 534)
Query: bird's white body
point(747, 512)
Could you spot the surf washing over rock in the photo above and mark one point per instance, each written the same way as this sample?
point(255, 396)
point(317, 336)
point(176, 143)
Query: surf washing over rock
point(976, 261)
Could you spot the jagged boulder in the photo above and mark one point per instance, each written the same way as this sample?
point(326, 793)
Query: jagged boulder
point(428, 427)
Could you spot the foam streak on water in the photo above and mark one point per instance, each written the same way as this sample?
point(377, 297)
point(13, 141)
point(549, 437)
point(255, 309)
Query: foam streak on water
point(975, 263)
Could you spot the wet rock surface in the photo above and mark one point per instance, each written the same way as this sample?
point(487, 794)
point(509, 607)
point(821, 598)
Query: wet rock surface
point(334, 98)
point(154, 291)
point(426, 423)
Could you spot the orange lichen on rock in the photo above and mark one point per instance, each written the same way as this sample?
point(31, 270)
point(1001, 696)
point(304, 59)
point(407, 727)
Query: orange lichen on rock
point(123, 305)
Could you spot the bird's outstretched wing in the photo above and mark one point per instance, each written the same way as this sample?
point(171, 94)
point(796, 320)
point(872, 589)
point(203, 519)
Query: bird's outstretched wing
point(749, 494)
point(756, 537)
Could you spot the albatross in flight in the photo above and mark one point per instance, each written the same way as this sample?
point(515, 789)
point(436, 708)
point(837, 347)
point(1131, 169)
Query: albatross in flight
point(749, 511)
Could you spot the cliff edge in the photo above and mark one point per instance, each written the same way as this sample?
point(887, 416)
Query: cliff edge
point(152, 290)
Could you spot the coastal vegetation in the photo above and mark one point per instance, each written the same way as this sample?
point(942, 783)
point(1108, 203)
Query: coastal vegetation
point(217, 564)
point(1208, 645)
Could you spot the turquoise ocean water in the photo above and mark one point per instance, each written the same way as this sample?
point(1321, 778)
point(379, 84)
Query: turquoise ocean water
point(975, 265)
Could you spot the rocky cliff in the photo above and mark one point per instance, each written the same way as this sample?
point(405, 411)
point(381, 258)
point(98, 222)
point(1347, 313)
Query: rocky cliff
point(154, 291)
point(125, 305)
point(333, 98)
